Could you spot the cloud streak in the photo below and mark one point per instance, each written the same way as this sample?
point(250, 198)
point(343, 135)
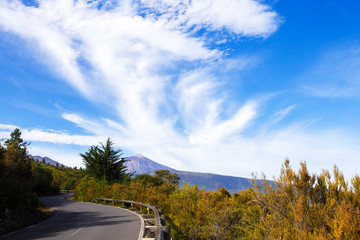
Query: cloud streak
point(238, 156)
point(148, 61)
point(336, 74)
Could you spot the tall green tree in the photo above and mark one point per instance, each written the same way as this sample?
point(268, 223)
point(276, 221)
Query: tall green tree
point(105, 163)
point(15, 138)
point(16, 180)
point(168, 177)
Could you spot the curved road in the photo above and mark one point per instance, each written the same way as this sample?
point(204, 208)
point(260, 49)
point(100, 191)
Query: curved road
point(79, 220)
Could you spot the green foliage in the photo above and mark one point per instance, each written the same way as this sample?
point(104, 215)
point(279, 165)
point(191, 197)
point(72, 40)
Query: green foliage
point(15, 138)
point(86, 190)
point(16, 180)
point(168, 177)
point(149, 180)
point(43, 178)
point(105, 163)
point(69, 184)
point(22, 179)
point(63, 178)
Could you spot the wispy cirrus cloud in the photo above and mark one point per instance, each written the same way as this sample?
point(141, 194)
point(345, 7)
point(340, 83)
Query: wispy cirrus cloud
point(155, 65)
point(280, 115)
point(148, 61)
point(336, 74)
point(243, 17)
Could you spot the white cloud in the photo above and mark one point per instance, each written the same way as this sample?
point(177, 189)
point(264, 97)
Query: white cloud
point(35, 26)
point(217, 131)
point(336, 74)
point(8, 127)
point(149, 63)
point(238, 155)
point(280, 115)
point(5, 130)
point(61, 153)
point(40, 135)
point(92, 127)
point(244, 17)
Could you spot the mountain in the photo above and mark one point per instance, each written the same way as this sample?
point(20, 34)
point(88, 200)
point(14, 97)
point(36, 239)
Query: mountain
point(47, 160)
point(143, 165)
point(210, 181)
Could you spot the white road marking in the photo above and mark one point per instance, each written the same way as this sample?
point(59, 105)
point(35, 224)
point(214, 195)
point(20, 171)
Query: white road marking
point(77, 231)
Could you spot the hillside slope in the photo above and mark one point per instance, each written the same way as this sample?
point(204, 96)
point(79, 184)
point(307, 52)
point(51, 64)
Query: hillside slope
point(210, 181)
point(143, 165)
point(47, 160)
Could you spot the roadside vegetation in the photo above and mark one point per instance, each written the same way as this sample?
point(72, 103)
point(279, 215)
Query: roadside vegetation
point(296, 205)
point(22, 180)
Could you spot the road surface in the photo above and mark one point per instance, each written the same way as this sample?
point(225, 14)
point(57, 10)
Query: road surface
point(79, 220)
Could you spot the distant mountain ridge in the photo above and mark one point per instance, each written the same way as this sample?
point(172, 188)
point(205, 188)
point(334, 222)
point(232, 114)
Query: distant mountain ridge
point(210, 181)
point(143, 165)
point(47, 160)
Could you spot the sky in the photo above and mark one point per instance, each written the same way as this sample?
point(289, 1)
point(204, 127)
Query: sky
point(229, 87)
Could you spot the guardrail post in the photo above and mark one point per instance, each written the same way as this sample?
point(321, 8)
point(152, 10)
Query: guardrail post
point(123, 204)
point(163, 219)
point(113, 203)
point(167, 232)
point(104, 202)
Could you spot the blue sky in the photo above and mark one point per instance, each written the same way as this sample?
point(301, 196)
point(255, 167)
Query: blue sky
point(229, 87)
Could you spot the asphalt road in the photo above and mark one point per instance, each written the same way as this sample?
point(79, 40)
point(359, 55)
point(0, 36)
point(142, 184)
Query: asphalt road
point(79, 220)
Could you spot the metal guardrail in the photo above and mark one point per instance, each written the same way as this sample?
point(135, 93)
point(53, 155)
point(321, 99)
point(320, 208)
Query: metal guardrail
point(67, 191)
point(162, 232)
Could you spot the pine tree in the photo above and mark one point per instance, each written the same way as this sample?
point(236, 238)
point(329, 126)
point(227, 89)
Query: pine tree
point(105, 163)
point(15, 137)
